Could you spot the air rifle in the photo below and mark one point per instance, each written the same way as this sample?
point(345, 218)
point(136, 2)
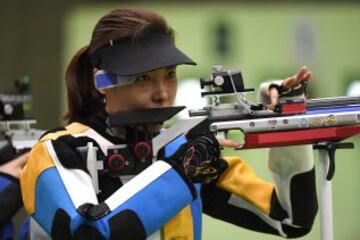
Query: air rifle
point(17, 134)
point(293, 122)
point(323, 122)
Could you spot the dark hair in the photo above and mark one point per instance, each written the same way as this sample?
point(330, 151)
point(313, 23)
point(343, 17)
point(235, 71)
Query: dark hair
point(83, 98)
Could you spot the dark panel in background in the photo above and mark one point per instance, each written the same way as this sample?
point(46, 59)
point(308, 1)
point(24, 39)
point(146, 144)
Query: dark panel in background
point(30, 44)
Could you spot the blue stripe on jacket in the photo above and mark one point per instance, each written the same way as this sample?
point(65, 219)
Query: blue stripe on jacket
point(4, 183)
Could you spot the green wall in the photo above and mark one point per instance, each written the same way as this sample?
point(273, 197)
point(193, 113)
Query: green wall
point(263, 44)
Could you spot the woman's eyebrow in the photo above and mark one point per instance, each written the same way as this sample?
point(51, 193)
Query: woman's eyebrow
point(171, 67)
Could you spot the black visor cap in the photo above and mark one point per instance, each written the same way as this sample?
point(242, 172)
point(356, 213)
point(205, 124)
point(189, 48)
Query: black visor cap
point(153, 50)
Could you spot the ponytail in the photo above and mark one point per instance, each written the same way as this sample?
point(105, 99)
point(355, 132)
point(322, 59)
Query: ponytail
point(83, 98)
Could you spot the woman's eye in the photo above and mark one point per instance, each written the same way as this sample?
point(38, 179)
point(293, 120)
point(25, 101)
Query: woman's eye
point(171, 74)
point(142, 78)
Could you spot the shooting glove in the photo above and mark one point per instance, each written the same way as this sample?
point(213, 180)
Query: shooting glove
point(200, 159)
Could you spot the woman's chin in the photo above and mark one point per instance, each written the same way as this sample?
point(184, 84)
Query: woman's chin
point(155, 127)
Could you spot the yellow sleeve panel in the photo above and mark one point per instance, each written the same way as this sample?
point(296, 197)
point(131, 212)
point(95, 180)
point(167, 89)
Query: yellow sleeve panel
point(73, 128)
point(242, 181)
point(180, 226)
point(39, 161)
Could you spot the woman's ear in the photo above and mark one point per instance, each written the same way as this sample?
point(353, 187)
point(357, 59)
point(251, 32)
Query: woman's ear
point(102, 91)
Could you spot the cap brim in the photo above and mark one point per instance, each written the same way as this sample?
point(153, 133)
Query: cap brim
point(151, 52)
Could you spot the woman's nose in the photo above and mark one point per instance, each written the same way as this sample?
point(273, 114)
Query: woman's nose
point(160, 93)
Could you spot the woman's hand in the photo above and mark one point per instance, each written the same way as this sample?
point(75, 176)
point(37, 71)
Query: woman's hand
point(303, 74)
point(15, 166)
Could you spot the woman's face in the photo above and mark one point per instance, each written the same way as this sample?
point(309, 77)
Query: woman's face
point(150, 90)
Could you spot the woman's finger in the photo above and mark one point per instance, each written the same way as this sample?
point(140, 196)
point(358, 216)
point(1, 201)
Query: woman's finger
point(228, 143)
point(300, 75)
point(303, 74)
point(307, 76)
point(289, 82)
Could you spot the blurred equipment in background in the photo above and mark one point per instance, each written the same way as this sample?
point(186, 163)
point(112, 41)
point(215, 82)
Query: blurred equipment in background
point(305, 41)
point(222, 39)
point(13, 104)
point(353, 89)
point(17, 134)
point(189, 95)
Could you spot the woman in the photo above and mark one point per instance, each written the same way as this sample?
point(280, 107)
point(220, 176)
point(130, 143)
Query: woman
point(130, 64)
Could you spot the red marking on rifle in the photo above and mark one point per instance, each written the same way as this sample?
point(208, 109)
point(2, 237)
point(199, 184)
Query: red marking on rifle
point(298, 137)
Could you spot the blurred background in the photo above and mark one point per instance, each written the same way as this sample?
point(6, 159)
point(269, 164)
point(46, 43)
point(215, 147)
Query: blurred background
point(265, 39)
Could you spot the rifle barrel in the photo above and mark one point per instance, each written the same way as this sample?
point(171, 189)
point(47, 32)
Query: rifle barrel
point(332, 102)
